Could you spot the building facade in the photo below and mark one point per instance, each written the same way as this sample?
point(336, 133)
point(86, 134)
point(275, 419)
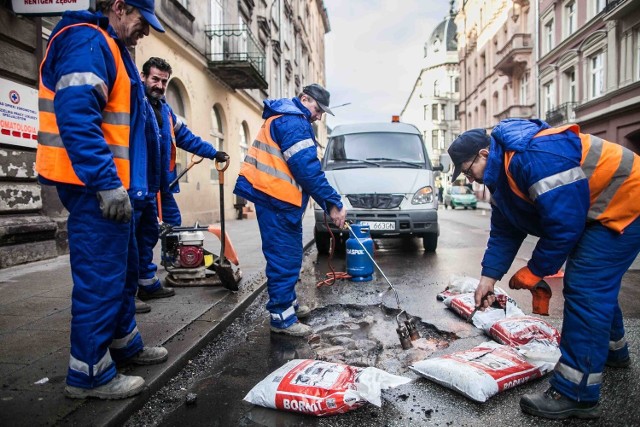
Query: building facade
point(32, 221)
point(227, 57)
point(432, 105)
point(497, 63)
point(590, 67)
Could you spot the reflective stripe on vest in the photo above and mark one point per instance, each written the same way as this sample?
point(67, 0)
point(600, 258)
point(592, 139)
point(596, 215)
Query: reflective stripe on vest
point(265, 166)
point(612, 170)
point(52, 159)
point(172, 159)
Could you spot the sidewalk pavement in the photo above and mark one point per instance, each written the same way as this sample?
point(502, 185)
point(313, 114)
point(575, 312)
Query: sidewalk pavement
point(35, 315)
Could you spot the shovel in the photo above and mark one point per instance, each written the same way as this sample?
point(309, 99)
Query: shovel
point(222, 266)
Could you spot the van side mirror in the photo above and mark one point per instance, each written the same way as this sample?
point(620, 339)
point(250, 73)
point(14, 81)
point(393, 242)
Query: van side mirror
point(438, 168)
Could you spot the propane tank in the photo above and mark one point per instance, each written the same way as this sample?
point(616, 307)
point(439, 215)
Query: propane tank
point(359, 265)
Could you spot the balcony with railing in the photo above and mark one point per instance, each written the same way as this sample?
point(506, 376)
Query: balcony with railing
point(617, 9)
point(611, 4)
point(515, 54)
point(235, 57)
point(564, 113)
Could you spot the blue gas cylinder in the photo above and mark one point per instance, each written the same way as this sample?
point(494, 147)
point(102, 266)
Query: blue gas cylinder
point(359, 265)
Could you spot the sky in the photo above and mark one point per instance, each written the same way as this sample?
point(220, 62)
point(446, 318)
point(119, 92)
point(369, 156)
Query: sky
point(374, 53)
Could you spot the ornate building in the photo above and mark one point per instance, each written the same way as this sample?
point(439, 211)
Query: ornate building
point(590, 67)
point(227, 56)
point(497, 62)
point(432, 105)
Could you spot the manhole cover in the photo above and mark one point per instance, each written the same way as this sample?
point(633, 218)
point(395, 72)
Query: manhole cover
point(366, 336)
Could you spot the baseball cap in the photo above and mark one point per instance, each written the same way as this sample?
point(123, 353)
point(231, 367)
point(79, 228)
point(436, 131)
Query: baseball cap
point(320, 94)
point(146, 8)
point(465, 147)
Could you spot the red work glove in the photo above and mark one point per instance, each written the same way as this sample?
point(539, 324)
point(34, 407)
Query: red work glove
point(540, 290)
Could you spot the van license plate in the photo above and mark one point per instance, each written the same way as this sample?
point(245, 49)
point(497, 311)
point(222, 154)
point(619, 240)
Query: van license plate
point(379, 225)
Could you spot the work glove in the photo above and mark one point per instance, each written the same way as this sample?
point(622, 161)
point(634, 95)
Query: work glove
point(540, 290)
point(115, 204)
point(221, 156)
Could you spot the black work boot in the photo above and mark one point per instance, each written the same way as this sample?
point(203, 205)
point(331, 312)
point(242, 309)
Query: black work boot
point(551, 404)
point(619, 358)
point(141, 306)
point(161, 292)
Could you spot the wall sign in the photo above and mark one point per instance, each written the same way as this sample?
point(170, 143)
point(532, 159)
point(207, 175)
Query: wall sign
point(48, 7)
point(18, 114)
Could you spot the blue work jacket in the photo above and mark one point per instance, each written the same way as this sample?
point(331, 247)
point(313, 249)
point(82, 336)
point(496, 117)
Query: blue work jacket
point(84, 50)
point(286, 131)
point(558, 217)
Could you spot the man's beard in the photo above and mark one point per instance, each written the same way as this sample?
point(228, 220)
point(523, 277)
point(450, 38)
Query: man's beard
point(157, 95)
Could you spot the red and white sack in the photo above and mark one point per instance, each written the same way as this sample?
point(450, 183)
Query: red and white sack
point(533, 337)
point(458, 285)
point(321, 388)
point(465, 304)
point(481, 372)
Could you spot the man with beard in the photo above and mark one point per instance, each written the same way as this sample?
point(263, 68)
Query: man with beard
point(173, 133)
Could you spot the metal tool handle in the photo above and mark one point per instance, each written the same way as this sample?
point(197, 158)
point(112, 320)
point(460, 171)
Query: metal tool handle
point(191, 164)
point(221, 167)
point(374, 262)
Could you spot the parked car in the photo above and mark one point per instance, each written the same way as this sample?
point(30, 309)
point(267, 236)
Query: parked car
point(460, 195)
point(384, 176)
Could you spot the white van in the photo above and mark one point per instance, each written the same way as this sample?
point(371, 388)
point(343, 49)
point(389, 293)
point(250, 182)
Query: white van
point(384, 176)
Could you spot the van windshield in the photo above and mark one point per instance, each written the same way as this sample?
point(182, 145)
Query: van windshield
point(376, 149)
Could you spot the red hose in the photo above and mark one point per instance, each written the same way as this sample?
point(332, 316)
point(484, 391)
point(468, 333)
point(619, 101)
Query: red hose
point(333, 275)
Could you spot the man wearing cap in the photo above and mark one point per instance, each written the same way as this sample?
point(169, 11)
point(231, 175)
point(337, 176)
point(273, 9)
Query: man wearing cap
point(278, 175)
point(580, 195)
point(92, 147)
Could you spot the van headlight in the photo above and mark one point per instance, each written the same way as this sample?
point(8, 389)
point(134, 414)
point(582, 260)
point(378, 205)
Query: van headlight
point(422, 196)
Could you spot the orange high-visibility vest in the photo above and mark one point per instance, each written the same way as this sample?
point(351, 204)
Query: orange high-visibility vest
point(52, 159)
point(172, 160)
point(613, 172)
point(266, 168)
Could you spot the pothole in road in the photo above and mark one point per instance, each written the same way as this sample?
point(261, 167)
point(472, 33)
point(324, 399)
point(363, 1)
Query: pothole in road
point(366, 336)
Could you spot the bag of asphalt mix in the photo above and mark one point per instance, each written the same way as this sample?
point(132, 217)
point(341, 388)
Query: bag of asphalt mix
point(482, 371)
point(322, 388)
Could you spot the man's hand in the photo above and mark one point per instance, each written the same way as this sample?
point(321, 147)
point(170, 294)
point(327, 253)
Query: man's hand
point(115, 204)
point(540, 290)
point(221, 156)
point(338, 216)
point(484, 295)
